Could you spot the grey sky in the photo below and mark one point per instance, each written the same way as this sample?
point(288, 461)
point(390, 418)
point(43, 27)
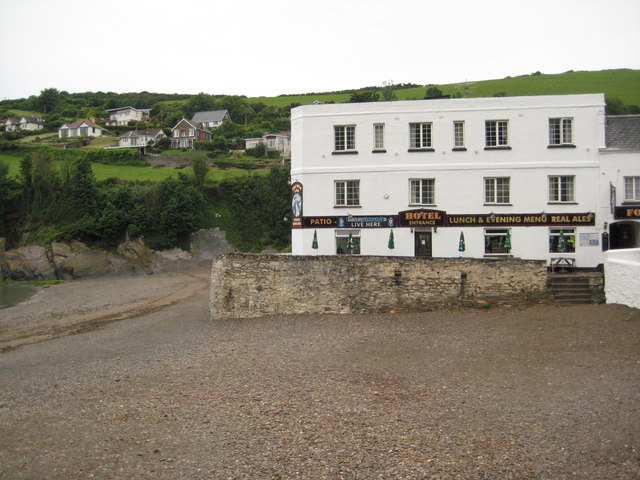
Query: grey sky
point(254, 47)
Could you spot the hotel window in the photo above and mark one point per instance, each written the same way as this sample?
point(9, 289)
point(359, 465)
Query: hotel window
point(569, 238)
point(495, 241)
point(458, 135)
point(422, 191)
point(497, 190)
point(496, 133)
point(342, 242)
point(562, 189)
point(378, 136)
point(347, 193)
point(560, 131)
point(345, 138)
point(632, 189)
point(420, 136)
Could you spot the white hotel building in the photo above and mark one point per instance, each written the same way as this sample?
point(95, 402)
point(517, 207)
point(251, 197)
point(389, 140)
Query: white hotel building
point(507, 174)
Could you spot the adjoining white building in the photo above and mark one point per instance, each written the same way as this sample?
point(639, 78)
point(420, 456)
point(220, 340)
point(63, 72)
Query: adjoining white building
point(529, 177)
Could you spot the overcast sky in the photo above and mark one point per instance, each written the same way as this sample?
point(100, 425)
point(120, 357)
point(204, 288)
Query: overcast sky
point(260, 47)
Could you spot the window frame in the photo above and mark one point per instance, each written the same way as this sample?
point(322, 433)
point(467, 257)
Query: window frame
point(635, 189)
point(496, 134)
point(345, 199)
point(557, 190)
point(495, 232)
point(495, 193)
point(378, 137)
point(569, 233)
point(423, 141)
point(347, 139)
point(342, 236)
point(432, 182)
point(458, 135)
point(561, 132)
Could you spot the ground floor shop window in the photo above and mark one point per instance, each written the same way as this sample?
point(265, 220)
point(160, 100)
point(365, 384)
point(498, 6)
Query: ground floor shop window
point(497, 241)
point(348, 242)
point(566, 244)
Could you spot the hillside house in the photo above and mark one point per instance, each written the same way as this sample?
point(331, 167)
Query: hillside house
point(11, 124)
point(280, 142)
point(542, 177)
point(81, 128)
point(124, 115)
point(140, 138)
point(186, 132)
point(31, 123)
point(211, 119)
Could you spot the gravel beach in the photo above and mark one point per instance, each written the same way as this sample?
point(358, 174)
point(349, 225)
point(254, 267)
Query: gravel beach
point(130, 379)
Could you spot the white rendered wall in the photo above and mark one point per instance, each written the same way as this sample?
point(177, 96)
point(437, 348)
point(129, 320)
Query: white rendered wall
point(622, 277)
point(459, 175)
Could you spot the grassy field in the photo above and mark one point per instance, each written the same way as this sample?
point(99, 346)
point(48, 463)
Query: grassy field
point(103, 172)
point(623, 84)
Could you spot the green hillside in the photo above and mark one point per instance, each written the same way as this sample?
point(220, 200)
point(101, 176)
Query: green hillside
point(623, 84)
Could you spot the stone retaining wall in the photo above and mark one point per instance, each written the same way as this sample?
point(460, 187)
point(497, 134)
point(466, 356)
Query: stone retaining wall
point(251, 285)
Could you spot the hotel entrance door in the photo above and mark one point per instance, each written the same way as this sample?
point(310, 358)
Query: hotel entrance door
point(422, 244)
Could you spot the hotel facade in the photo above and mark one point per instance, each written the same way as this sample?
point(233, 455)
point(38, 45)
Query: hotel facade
point(541, 177)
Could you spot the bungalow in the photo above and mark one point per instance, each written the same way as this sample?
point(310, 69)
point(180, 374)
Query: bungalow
point(81, 128)
point(140, 138)
point(11, 124)
point(273, 141)
point(212, 119)
point(186, 132)
point(31, 123)
point(124, 115)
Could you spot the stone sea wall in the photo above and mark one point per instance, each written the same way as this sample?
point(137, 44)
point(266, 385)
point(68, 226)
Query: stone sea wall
point(250, 285)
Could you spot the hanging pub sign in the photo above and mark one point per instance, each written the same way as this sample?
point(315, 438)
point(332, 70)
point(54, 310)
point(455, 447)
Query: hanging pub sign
point(383, 221)
point(422, 218)
point(521, 219)
point(296, 205)
point(627, 212)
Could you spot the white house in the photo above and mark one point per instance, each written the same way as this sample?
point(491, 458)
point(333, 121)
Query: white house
point(140, 138)
point(273, 141)
point(81, 128)
point(527, 177)
point(211, 119)
point(11, 124)
point(124, 115)
point(31, 123)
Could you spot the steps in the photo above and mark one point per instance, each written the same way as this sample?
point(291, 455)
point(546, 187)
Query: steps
point(574, 288)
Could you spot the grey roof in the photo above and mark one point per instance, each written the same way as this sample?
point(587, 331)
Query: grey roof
point(212, 116)
point(623, 132)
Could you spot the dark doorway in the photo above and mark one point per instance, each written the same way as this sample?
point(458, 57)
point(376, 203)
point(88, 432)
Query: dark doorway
point(423, 244)
point(624, 235)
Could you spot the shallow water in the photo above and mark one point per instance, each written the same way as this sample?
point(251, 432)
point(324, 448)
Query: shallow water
point(13, 293)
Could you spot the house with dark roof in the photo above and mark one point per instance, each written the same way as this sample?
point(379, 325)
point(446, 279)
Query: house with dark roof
point(140, 138)
point(11, 124)
point(212, 119)
point(280, 142)
point(81, 128)
point(31, 123)
point(188, 131)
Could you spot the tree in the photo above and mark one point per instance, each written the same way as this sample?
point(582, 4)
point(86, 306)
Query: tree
point(48, 100)
point(433, 92)
point(388, 93)
point(364, 96)
point(200, 170)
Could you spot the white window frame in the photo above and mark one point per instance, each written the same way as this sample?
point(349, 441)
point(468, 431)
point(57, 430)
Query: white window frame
point(346, 193)
point(496, 133)
point(494, 191)
point(418, 197)
point(458, 134)
point(378, 136)
point(569, 234)
point(562, 189)
point(342, 237)
point(344, 138)
point(561, 131)
point(632, 189)
point(495, 232)
point(420, 135)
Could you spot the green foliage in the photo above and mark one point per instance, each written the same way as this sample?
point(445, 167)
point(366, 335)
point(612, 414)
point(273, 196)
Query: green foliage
point(433, 92)
point(200, 170)
point(259, 151)
point(364, 96)
point(117, 156)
